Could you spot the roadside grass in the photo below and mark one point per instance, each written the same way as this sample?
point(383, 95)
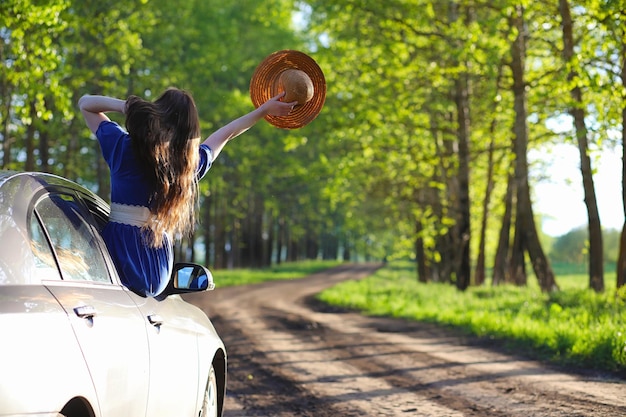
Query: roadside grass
point(574, 327)
point(289, 270)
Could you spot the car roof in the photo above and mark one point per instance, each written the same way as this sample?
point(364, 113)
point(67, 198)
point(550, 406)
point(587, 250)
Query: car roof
point(50, 181)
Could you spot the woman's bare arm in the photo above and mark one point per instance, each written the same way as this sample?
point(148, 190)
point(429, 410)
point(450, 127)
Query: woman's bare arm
point(273, 106)
point(94, 108)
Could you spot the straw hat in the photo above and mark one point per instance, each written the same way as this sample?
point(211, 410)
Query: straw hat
point(300, 77)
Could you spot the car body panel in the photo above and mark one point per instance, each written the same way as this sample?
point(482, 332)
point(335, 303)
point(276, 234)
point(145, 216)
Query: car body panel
point(74, 332)
point(173, 333)
point(38, 339)
point(113, 341)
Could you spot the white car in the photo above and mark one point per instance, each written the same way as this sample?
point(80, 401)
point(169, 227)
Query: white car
point(75, 342)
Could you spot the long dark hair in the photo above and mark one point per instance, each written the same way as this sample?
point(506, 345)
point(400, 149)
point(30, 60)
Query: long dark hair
point(163, 135)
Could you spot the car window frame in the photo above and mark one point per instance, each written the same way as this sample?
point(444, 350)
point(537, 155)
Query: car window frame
point(100, 217)
point(88, 217)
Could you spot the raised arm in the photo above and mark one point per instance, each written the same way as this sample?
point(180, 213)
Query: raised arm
point(94, 108)
point(273, 106)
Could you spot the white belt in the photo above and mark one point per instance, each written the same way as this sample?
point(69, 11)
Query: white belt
point(131, 215)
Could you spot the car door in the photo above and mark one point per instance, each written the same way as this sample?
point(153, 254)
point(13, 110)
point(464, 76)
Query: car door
point(110, 329)
point(173, 342)
point(174, 367)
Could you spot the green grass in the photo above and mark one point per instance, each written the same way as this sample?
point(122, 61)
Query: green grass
point(290, 270)
point(574, 326)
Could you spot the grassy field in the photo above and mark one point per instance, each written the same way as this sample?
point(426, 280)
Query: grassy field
point(573, 327)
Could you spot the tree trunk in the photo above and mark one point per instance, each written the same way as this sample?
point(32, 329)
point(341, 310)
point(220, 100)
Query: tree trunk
point(517, 261)
point(440, 270)
point(501, 261)
point(346, 256)
point(44, 151)
point(219, 220)
point(251, 233)
point(256, 237)
point(233, 253)
point(447, 246)
point(268, 239)
point(292, 249)
point(312, 248)
point(330, 246)
point(191, 248)
point(479, 271)
point(44, 141)
point(621, 259)
point(280, 239)
point(6, 122)
point(220, 244)
point(596, 261)
point(291, 244)
point(621, 262)
point(420, 253)
point(30, 138)
point(206, 208)
point(462, 98)
point(526, 236)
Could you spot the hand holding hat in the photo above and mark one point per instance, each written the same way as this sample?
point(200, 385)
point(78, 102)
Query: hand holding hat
point(278, 106)
point(302, 80)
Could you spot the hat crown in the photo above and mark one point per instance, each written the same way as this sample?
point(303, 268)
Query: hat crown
point(297, 86)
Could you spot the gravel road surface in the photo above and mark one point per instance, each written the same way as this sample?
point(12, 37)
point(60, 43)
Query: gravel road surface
point(289, 356)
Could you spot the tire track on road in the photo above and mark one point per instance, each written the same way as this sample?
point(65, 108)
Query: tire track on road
point(290, 355)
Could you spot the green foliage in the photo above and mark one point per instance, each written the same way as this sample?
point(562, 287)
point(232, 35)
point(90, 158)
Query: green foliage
point(381, 156)
point(31, 72)
point(574, 326)
point(572, 247)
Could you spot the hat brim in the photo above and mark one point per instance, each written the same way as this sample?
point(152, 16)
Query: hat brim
point(264, 85)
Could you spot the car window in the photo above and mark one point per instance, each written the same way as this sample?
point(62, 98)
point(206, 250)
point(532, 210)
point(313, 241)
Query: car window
point(73, 240)
point(45, 266)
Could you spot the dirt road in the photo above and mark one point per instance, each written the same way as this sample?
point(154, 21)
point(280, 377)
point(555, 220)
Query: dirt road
point(290, 356)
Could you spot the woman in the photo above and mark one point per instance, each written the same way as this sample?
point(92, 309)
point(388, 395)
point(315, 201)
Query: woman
point(155, 165)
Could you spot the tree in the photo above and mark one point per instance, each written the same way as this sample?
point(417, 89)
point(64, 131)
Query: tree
point(462, 87)
point(621, 263)
point(30, 58)
point(526, 238)
point(211, 48)
point(611, 16)
point(421, 149)
point(480, 274)
point(577, 111)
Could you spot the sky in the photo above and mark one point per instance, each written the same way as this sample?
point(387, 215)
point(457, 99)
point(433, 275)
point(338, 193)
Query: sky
point(556, 187)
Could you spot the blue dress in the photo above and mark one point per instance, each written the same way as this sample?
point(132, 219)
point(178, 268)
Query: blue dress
point(143, 269)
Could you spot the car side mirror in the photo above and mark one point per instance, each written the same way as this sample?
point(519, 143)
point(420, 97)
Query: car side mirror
point(186, 278)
